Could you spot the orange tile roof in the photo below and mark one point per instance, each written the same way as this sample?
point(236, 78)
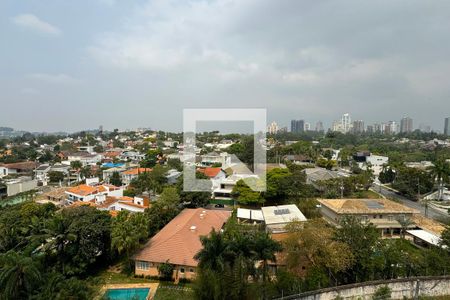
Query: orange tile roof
point(111, 154)
point(177, 243)
point(137, 171)
point(210, 172)
point(83, 190)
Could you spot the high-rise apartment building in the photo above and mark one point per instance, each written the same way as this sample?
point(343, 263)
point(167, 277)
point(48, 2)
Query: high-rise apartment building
point(358, 126)
point(447, 126)
point(273, 128)
point(406, 125)
point(307, 126)
point(319, 126)
point(297, 126)
point(346, 122)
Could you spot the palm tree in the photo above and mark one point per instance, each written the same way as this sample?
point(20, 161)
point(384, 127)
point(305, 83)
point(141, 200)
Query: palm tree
point(265, 249)
point(441, 174)
point(211, 255)
point(405, 223)
point(18, 275)
point(57, 238)
point(126, 232)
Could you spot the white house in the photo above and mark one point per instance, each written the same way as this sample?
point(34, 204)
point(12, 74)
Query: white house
point(226, 185)
point(212, 158)
point(3, 171)
point(87, 193)
point(83, 157)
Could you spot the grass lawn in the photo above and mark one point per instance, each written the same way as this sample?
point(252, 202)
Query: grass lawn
point(106, 277)
point(169, 291)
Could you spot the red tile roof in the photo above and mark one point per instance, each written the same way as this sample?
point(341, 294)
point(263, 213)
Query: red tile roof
point(137, 171)
point(179, 241)
point(210, 172)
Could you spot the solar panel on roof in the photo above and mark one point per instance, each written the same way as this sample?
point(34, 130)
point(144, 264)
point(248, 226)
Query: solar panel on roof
point(281, 211)
point(374, 204)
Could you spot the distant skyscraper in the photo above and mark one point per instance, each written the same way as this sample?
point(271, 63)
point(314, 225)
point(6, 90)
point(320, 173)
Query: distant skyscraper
point(377, 128)
point(370, 129)
point(391, 127)
point(297, 126)
point(319, 126)
point(358, 126)
point(447, 126)
point(346, 122)
point(307, 126)
point(406, 125)
point(273, 128)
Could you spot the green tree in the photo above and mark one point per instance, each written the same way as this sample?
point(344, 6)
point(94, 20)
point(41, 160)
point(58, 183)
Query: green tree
point(76, 165)
point(441, 174)
point(19, 275)
point(78, 238)
point(55, 176)
point(196, 198)
point(166, 270)
point(362, 240)
point(277, 183)
point(127, 231)
point(115, 179)
point(387, 175)
point(245, 195)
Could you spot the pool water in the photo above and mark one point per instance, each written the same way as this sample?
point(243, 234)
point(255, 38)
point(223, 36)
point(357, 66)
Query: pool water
point(127, 294)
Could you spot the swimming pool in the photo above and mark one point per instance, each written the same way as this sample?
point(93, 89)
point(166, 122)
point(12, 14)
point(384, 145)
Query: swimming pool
point(127, 294)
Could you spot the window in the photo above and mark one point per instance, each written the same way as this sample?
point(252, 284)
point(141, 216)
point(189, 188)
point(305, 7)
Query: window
point(182, 270)
point(191, 270)
point(364, 218)
point(391, 218)
point(142, 265)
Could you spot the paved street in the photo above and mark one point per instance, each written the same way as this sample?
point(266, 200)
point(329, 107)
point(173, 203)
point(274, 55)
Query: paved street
point(432, 212)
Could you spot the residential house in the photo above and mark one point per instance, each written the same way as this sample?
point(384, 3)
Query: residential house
point(20, 168)
point(315, 175)
point(365, 159)
point(382, 213)
point(215, 174)
point(172, 176)
point(131, 174)
point(84, 157)
point(131, 156)
point(224, 189)
point(41, 172)
point(3, 171)
point(87, 193)
point(223, 158)
point(109, 172)
point(277, 217)
point(178, 242)
point(112, 203)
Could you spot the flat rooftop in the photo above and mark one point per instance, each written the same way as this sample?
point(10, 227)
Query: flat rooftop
point(282, 214)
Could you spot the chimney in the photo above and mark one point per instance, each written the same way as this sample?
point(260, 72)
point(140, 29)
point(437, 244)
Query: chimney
point(193, 228)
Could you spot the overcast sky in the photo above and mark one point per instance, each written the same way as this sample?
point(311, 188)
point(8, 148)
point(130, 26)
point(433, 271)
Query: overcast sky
point(72, 65)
